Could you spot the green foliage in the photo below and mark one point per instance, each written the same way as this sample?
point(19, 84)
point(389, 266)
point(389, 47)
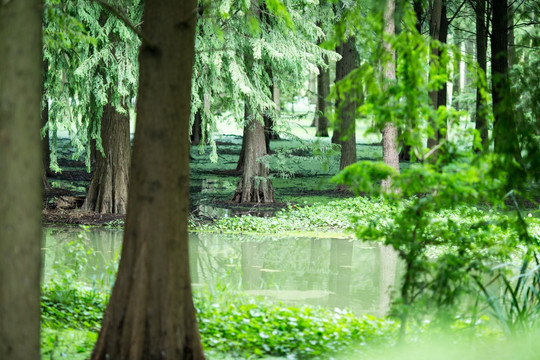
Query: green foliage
point(431, 224)
point(330, 217)
point(251, 327)
point(91, 59)
point(236, 325)
point(64, 306)
point(67, 343)
point(516, 307)
point(243, 49)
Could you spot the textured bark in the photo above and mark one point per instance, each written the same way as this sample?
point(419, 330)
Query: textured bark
point(21, 166)
point(481, 120)
point(389, 136)
point(108, 189)
point(323, 90)
point(150, 314)
point(346, 110)
point(254, 185)
point(242, 157)
point(504, 130)
point(434, 32)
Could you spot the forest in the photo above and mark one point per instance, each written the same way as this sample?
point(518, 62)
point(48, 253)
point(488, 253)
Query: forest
point(275, 179)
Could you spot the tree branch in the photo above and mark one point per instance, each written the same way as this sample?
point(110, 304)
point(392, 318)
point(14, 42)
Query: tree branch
point(456, 13)
point(120, 16)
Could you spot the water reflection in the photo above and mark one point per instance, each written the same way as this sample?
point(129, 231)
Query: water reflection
point(326, 272)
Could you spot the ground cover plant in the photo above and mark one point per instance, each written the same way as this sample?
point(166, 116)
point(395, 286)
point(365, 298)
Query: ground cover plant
point(231, 325)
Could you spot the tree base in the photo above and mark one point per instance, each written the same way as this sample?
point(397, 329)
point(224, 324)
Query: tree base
point(260, 192)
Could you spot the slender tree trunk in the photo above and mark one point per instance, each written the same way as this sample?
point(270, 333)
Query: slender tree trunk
point(481, 120)
point(389, 136)
point(346, 110)
point(434, 32)
point(405, 154)
point(21, 165)
point(150, 314)
point(108, 189)
point(196, 129)
point(323, 90)
point(45, 147)
point(269, 117)
point(504, 131)
point(242, 157)
point(442, 93)
point(254, 186)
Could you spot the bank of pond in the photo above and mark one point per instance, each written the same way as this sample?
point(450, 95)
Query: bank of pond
point(286, 297)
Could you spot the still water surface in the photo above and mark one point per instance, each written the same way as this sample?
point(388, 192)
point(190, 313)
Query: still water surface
point(317, 271)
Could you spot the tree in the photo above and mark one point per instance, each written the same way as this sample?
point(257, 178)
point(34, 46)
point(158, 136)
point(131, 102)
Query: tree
point(101, 73)
point(109, 186)
point(323, 89)
point(150, 314)
point(20, 161)
point(504, 131)
point(390, 133)
point(481, 120)
point(345, 127)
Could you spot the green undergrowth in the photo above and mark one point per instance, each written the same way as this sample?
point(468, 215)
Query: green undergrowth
point(246, 327)
point(229, 323)
point(344, 215)
point(333, 216)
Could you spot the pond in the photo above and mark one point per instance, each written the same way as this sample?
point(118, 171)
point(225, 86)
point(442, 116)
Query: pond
point(296, 270)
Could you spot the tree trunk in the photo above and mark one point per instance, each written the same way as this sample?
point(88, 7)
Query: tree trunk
point(196, 129)
point(254, 186)
point(242, 157)
point(21, 165)
point(150, 314)
point(345, 126)
point(405, 154)
point(434, 32)
point(389, 136)
point(108, 189)
point(481, 120)
point(442, 93)
point(45, 147)
point(504, 131)
point(323, 90)
point(269, 117)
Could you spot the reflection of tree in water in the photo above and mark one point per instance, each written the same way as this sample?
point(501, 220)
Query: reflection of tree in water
point(79, 255)
point(214, 260)
point(339, 280)
point(327, 272)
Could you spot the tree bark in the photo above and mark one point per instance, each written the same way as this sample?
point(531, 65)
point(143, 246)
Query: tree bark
point(504, 131)
point(434, 32)
point(254, 186)
point(323, 90)
point(196, 129)
point(21, 166)
point(345, 127)
point(108, 189)
point(269, 118)
point(389, 136)
point(150, 314)
point(481, 120)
